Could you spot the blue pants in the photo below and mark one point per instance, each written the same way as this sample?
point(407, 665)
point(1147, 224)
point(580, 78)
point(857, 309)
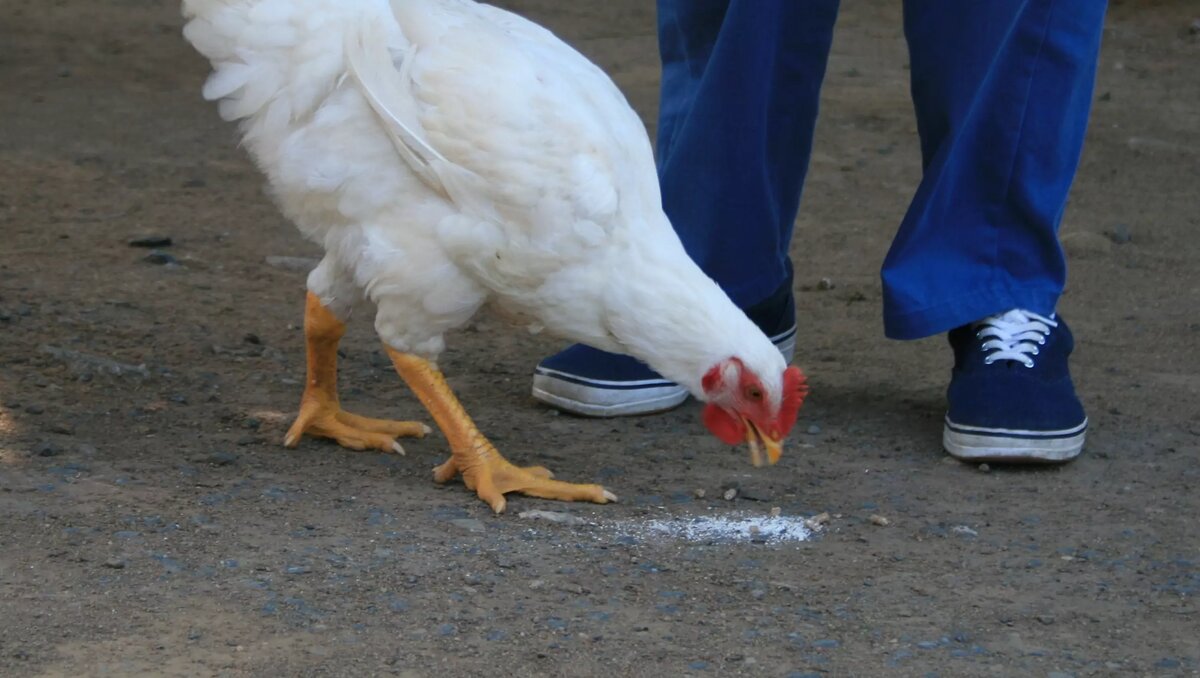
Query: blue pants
point(1002, 91)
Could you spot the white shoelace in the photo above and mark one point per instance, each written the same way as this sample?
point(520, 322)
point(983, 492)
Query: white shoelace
point(1014, 335)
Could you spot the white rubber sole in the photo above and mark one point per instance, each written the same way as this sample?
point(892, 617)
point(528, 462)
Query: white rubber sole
point(979, 444)
point(591, 401)
point(600, 398)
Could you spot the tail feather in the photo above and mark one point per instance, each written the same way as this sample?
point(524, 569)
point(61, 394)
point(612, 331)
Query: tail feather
point(274, 61)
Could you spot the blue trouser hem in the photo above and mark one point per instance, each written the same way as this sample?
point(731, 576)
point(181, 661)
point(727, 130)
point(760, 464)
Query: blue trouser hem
point(965, 308)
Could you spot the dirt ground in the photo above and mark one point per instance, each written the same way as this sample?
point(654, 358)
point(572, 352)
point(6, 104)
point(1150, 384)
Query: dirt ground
point(151, 523)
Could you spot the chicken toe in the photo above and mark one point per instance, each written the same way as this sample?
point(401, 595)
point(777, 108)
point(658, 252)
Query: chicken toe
point(320, 413)
point(482, 467)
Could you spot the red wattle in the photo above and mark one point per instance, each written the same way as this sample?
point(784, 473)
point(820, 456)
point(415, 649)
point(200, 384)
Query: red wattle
point(723, 425)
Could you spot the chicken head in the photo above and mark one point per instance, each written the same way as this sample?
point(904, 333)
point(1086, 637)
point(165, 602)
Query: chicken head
point(742, 406)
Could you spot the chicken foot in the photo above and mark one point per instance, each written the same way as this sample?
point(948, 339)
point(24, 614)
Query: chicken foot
point(321, 414)
point(471, 454)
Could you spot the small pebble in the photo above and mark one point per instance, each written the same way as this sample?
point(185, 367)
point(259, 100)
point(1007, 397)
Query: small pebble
point(730, 494)
point(47, 449)
point(1046, 619)
point(151, 242)
point(825, 284)
point(159, 258)
point(64, 429)
point(879, 520)
point(1119, 234)
point(34, 409)
point(699, 493)
point(984, 468)
point(115, 563)
point(776, 511)
point(817, 520)
point(813, 429)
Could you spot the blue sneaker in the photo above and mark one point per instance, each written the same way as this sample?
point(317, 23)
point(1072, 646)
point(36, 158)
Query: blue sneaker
point(594, 383)
point(1011, 396)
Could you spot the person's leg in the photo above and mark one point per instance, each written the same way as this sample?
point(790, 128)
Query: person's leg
point(740, 85)
point(1002, 92)
point(738, 108)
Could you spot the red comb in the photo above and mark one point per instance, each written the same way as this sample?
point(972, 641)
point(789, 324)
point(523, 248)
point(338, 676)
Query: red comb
point(795, 389)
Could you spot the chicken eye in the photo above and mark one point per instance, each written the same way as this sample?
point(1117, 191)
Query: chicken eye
point(754, 393)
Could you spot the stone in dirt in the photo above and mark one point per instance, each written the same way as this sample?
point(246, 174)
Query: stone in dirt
point(1119, 234)
point(47, 449)
point(160, 258)
point(817, 520)
point(151, 241)
point(553, 516)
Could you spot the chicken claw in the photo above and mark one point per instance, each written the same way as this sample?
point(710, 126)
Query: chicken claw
point(328, 420)
point(320, 413)
point(483, 469)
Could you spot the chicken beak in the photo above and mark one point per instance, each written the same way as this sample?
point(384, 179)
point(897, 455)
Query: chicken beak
point(764, 450)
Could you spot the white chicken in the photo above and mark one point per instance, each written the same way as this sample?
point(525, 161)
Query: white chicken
point(446, 153)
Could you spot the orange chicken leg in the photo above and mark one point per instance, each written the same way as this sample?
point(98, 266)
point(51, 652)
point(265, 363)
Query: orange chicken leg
point(320, 413)
point(472, 455)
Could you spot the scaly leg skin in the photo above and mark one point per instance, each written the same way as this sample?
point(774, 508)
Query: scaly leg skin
point(320, 413)
point(472, 455)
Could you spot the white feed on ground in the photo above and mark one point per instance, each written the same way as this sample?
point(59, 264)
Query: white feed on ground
point(759, 529)
point(768, 529)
